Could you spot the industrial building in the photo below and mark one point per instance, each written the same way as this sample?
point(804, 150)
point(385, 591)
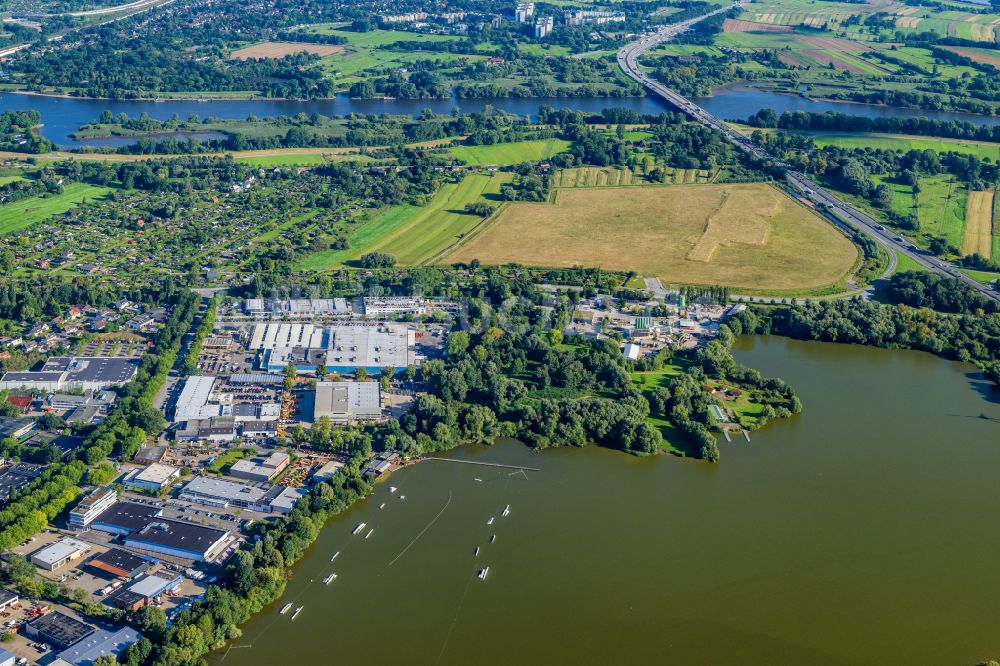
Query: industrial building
point(153, 586)
point(286, 499)
point(6, 658)
point(61, 373)
point(326, 472)
point(58, 629)
point(347, 402)
point(178, 539)
point(221, 494)
point(192, 403)
point(125, 517)
point(68, 401)
point(17, 476)
point(153, 478)
point(119, 563)
point(100, 642)
point(7, 599)
point(198, 402)
point(148, 455)
point(60, 553)
point(12, 427)
point(298, 306)
point(261, 470)
point(341, 349)
point(91, 506)
point(385, 306)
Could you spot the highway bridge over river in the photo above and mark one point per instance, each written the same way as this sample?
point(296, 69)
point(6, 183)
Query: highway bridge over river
point(628, 60)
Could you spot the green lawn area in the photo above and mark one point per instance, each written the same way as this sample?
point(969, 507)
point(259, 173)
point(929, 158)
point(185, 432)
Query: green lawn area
point(417, 234)
point(941, 208)
point(9, 179)
point(904, 263)
point(22, 214)
point(224, 461)
point(509, 153)
point(311, 159)
point(442, 223)
point(362, 237)
point(648, 382)
point(543, 49)
point(902, 195)
point(905, 143)
point(981, 276)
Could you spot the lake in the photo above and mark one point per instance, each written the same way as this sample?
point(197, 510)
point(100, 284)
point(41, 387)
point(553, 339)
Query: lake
point(64, 115)
point(856, 533)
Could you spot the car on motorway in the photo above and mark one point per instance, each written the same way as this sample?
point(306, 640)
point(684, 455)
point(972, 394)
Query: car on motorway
point(880, 227)
point(898, 239)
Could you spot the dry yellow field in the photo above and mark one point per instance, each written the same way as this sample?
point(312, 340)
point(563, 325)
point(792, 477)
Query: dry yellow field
point(282, 49)
point(746, 235)
point(978, 236)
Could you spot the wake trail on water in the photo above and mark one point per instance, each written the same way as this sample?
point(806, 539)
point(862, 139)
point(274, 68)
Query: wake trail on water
point(421, 533)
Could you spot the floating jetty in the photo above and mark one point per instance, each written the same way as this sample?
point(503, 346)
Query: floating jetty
point(506, 511)
point(358, 529)
point(369, 532)
point(297, 611)
point(329, 579)
point(285, 608)
point(493, 537)
point(475, 554)
point(483, 573)
point(335, 556)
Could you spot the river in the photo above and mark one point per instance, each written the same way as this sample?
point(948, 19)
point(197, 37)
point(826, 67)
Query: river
point(61, 116)
point(856, 533)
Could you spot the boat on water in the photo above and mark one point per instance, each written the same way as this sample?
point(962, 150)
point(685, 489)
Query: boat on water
point(493, 537)
point(506, 511)
point(479, 480)
point(402, 497)
point(490, 521)
point(483, 573)
point(335, 556)
point(382, 505)
point(329, 579)
point(358, 529)
point(285, 608)
point(297, 611)
point(369, 532)
point(393, 489)
point(475, 554)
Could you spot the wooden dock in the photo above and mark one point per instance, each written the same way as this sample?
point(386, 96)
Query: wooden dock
point(484, 464)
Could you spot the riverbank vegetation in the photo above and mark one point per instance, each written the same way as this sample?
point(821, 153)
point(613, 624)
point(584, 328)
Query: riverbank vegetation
point(942, 200)
point(970, 338)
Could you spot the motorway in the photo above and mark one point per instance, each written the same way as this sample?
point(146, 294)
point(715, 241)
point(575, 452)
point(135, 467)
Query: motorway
point(628, 60)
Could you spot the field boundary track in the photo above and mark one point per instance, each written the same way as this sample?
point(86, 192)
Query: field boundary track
point(979, 224)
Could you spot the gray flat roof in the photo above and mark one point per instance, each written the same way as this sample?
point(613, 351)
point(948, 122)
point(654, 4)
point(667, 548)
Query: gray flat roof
point(223, 489)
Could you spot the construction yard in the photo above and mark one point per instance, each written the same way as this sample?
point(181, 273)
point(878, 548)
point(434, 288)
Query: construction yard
point(748, 235)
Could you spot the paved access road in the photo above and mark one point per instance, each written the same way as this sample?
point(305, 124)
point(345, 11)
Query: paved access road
point(628, 60)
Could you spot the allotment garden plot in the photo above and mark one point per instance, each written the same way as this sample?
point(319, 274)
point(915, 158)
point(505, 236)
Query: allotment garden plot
point(748, 235)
